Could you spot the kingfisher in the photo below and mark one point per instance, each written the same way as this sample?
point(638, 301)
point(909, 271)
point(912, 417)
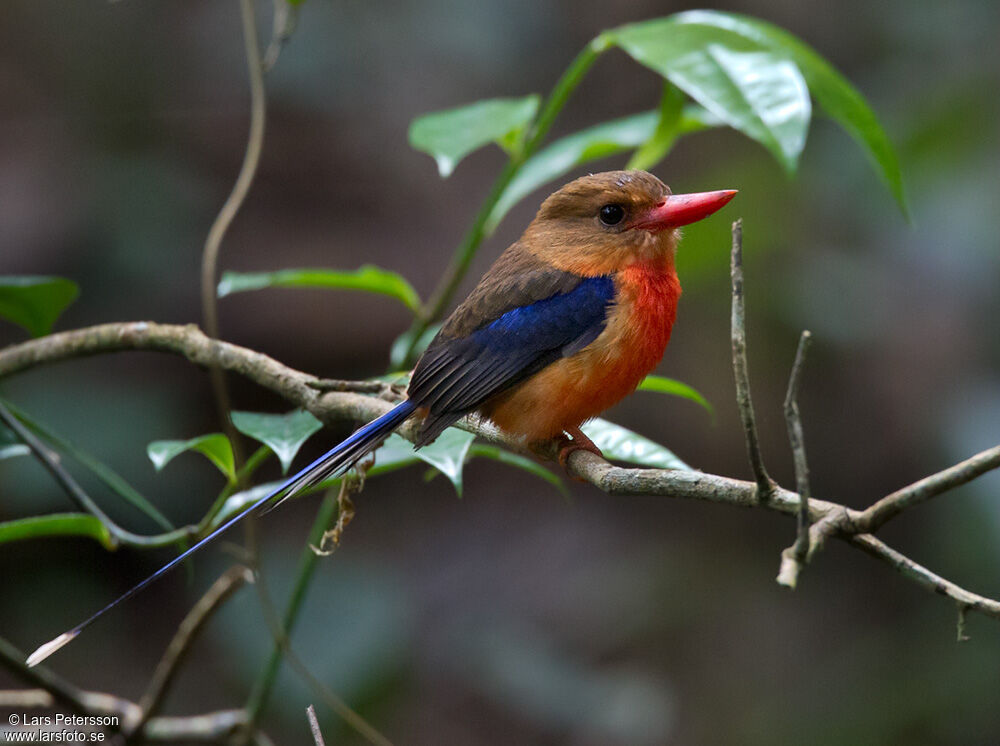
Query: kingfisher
point(565, 324)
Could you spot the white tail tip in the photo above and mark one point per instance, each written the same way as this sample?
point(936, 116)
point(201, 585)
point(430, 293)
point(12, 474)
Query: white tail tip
point(50, 647)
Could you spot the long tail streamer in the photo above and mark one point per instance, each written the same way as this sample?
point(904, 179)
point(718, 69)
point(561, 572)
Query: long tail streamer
point(338, 459)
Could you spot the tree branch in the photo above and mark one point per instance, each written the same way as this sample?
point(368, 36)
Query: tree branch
point(54, 690)
point(359, 387)
point(828, 518)
point(863, 522)
point(224, 586)
point(892, 505)
point(924, 577)
point(58, 689)
point(765, 485)
point(314, 726)
point(207, 727)
point(794, 556)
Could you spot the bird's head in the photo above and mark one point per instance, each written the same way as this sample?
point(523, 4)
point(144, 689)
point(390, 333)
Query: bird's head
point(600, 223)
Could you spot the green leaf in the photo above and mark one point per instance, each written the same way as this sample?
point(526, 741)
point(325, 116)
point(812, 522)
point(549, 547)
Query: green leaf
point(655, 149)
point(59, 524)
point(840, 100)
point(397, 353)
point(102, 471)
point(241, 500)
point(394, 454)
point(396, 377)
point(521, 462)
point(14, 450)
point(35, 302)
point(663, 385)
point(448, 453)
point(449, 136)
point(215, 447)
point(754, 89)
point(282, 433)
point(368, 278)
point(587, 145)
point(624, 445)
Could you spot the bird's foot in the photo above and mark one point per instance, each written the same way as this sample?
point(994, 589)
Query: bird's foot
point(575, 440)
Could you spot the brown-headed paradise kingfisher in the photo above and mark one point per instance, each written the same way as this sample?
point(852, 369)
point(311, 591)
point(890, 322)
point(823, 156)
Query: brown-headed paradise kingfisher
point(566, 323)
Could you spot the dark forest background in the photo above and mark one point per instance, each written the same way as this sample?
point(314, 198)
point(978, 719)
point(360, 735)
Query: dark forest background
point(512, 615)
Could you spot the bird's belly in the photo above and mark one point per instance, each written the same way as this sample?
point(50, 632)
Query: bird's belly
point(580, 387)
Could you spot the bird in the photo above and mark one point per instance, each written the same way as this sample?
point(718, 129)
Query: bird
point(567, 322)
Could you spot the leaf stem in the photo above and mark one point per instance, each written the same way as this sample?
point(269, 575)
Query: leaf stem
point(242, 477)
point(103, 472)
point(51, 461)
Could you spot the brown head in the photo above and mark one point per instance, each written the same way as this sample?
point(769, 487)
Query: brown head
point(603, 222)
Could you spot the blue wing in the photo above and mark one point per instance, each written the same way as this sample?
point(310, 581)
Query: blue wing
point(457, 375)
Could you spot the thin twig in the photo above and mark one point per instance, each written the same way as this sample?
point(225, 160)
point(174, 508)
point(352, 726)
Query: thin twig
point(52, 462)
point(216, 727)
point(210, 254)
point(314, 726)
point(285, 18)
point(281, 628)
point(61, 690)
point(260, 738)
point(925, 489)
point(960, 635)
point(18, 699)
point(329, 697)
point(54, 690)
point(794, 556)
point(331, 700)
point(765, 485)
point(227, 584)
point(209, 727)
point(924, 577)
point(851, 522)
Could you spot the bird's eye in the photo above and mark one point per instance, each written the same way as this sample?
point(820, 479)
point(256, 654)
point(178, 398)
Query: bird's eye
point(611, 214)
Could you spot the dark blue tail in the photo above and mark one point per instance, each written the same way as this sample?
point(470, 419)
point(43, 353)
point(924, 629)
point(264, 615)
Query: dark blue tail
point(341, 457)
point(337, 460)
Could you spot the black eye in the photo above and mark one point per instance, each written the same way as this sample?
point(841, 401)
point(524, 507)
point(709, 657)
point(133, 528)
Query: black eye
point(611, 214)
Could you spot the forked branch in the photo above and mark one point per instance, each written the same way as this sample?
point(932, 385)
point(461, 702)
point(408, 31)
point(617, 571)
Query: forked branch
point(827, 518)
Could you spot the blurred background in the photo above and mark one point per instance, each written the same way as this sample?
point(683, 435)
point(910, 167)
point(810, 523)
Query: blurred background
point(513, 615)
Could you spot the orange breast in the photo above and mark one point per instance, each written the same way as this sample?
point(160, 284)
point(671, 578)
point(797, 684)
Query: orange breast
point(577, 388)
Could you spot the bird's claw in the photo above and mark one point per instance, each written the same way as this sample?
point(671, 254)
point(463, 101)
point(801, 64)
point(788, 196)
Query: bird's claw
point(578, 442)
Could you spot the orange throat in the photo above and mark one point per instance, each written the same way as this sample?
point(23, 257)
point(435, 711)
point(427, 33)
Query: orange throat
point(577, 388)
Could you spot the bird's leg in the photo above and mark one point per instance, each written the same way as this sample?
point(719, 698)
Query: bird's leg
point(579, 442)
